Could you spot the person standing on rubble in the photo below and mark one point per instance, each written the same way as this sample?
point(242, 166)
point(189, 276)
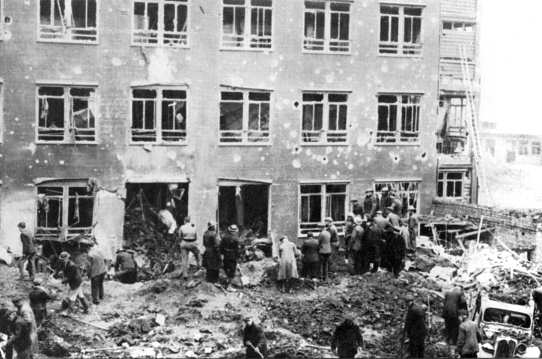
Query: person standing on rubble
point(324, 250)
point(334, 233)
point(357, 208)
point(370, 204)
point(188, 238)
point(311, 261)
point(356, 245)
point(415, 328)
point(396, 245)
point(211, 257)
point(385, 200)
point(348, 228)
point(454, 301)
point(24, 338)
point(230, 250)
point(39, 297)
point(29, 251)
point(126, 265)
point(373, 238)
point(287, 264)
point(412, 222)
point(468, 337)
point(72, 277)
point(347, 339)
point(96, 271)
point(254, 340)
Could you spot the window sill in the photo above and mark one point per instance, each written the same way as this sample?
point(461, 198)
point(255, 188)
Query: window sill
point(247, 49)
point(185, 47)
point(95, 143)
point(400, 144)
point(324, 144)
point(68, 42)
point(152, 144)
point(401, 56)
point(244, 144)
point(327, 52)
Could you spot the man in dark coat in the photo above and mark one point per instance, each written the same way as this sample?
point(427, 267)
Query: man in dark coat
point(396, 246)
point(72, 277)
point(346, 339)
point(370, 204)
point(211, 256)
point(415, 329)
point(385, 200)
point(126, 266)
point(38, 302)
point(373, 238)
point(356, 246)
point(454, 302)
point(29, 251)
point(357, 208)
point(230, 250)
point(311, 259)
point(348, 228)
point(254, 340)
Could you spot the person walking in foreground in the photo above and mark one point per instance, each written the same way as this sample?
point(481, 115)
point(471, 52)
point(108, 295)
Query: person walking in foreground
point(96, 272)
point(468, 337)
point(254, 340)
point(72, 277)
point(29, 251)
point(230, 250)
point(415, 329)
point(211, 257)
point(287, 264)
point(188, 237)
point(346, 339)
point(324, 242)
point(38, 302)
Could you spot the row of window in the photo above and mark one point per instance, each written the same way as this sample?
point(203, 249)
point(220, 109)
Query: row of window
point(66, 209)
point(159, 115)
point(245, 24)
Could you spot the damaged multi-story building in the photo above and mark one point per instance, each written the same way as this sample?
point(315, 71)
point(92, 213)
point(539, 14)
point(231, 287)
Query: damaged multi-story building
point(271, 114)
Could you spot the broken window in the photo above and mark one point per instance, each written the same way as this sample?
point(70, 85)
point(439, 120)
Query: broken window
point(318, 201)
point(247, 24)
point(68, 20)
point(408, 192)
point(160, 22)
point(65, 210)
point(244, 116)
point(523, 147)
point(400, 30)
point(457, 26)
point(66, 114)
point(536, 148)
point(158, 115)
point(450, 184)
point(398, 118)
point(324, 117)
point(327, 26)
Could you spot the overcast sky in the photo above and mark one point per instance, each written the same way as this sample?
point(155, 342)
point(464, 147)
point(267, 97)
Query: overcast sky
point(511, 64)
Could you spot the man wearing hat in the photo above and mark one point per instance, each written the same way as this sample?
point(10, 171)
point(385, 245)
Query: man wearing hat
point(188, 237)
point(126, 265)
point(415, 328)
point(324, 244)
point(370, 204)
point(96, 271)
point(332, 229)
point(254, 340)
point(72, 277)
point(385, 200)
point(346, 339)
point(29, 251)
point(395, 244)
point(24, 338)
point(357, 244)
point(38, 302)
point(230, 250)
point(211, 256)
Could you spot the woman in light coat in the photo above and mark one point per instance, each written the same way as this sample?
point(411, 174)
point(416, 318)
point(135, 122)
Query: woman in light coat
point(287, 263)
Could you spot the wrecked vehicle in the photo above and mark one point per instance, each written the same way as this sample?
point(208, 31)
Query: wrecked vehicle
point(506, 329)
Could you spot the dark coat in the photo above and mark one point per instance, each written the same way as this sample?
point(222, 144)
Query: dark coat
point(373, 240)
point(358, 235)
point(211, 256)
point(454, 301)
point(72, 274)
point(346, 339)
point(310, 250)
point(27, 240)
point(358, 209)
point(415, 325)
point(22, 334)
point(324, 242)
point(334, 233)
point(230, 246)
point(38, 298)
point(125, 261)
point(370, 206)
point(254, 334)
point(385, 202)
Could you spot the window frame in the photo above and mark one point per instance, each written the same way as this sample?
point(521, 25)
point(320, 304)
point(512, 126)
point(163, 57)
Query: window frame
point(327, 40)
point(400, 44)
point(158, 115)
point(536, 146)
point(67, 39)
point(446, 181)
point(323, 205)
point(160, 32)
point(68, 113)
point(393, 183)
point(65, 231)
point(246, 117)
point(325, 131)
point(247, 28)
point(399, 121)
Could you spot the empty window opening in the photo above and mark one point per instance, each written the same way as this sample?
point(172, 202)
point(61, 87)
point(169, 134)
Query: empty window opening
point(68, 20)
point(398, 118)
point(450, 184)
point(324, 117)
point(457, 27)
point(247, 24)
point(66, 114)
point(523, 148)
point(247, 206)
point(160, 22)
point(64, 210)
point(244, 116)
point(536, 148)
point(318, 201)
point(158, 115)
point(400, 30)
point(327, 26)
point(407, 192)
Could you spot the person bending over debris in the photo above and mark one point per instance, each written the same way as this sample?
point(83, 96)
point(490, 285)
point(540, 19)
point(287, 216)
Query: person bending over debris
point(415, 329)
point(96, 272)
point(229, 248)
point(346, 339)
point(126, 266)
point(311, 263)
point(188, 237)
point(24, 338)
point(38, 302)
point(324, 242)
point(211, 256)
point(29, 251)
point(287, 263)
point(254, 340)
point(468, 337)
point(454, 301)
point(7, 327)
point(72, 277)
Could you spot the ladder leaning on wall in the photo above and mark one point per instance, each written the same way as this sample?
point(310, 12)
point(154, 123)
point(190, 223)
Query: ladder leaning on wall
point(472, 124)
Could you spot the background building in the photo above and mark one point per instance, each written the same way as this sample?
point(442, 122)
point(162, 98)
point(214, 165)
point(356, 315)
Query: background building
point(268, 113)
